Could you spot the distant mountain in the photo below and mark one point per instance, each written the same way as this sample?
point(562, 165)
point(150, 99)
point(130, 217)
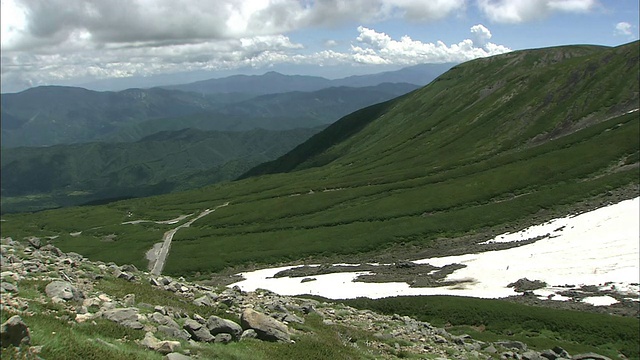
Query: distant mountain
point(51, 115)
point(35, 178)
point(273, 112)
point(421, 74)
point(274, 82)
point(326, 105)
point(269, 83)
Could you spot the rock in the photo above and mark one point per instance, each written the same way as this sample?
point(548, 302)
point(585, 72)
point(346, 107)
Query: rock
point(308, 279)
point(63, 290)
point(532, 355)
point(14, 332)
point(223, 338)
point(512, 345)
point(121, 314)
point(163, 347)
point(439, 339)
point(307, 308)
point(129, 300)
point(197, 331)
point(176, 356)
point(129, 268)
point(525, 284)
point(217, 325)
point(174, 332)
point(289, 318)
point(248, 334)
point(8, 287)
point(199, 319)
point(35, 242)
point(134, 324)
point(54, 250)
point(491, 349)
point(560, 352)
point(203, 301)
point(123, 275)
point(266, 328)
point(164, 320)
point(590, 356)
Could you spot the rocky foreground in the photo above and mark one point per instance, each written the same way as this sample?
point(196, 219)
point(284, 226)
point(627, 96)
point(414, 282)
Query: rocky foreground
point(179, 333)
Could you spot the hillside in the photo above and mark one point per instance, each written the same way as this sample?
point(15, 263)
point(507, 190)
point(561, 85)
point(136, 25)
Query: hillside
point(63, 175)
point(489, 146)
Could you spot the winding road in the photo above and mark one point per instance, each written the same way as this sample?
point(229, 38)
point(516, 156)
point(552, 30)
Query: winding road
point(161, 257)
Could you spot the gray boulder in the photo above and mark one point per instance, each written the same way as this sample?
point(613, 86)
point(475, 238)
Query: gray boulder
point(63, 290)
point(35, 242)
point(248, 334)
point(267, 328)
point(163, 347)
point(121, 314)
point(197, 331)
point(217, 325)
point(14, 332)
point(174, 332)
point(532, 355)
point(223, 338)
point(164, 320)
point(124, 316)
point(8, 287)
point(512, 345)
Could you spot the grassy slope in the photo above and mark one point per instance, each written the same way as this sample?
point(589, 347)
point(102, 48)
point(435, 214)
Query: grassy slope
point(489, 143)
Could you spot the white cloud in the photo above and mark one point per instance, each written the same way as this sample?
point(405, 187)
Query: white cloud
point(330, 43)
point(480, 35)
point(517, 11)
point(623, 28)
point(380, 48)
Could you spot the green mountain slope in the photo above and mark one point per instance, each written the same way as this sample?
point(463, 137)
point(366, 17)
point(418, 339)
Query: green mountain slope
point(35, 178)
point(488, 146)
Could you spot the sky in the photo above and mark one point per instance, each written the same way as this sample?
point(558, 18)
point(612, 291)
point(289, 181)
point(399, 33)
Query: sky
point(75, 42)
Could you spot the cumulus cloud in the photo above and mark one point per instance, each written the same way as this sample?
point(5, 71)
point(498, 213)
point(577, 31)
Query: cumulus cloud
point(517, 11)
point(624, 29)
point(380, 48)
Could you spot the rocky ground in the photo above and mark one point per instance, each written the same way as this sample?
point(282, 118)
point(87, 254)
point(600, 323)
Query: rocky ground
point(71, 283)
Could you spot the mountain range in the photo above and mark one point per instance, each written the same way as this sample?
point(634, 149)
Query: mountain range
point(273, 82)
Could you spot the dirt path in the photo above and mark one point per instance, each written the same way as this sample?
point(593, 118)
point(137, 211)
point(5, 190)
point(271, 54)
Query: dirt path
point(157, 262)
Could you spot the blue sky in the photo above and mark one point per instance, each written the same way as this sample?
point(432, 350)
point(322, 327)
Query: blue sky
point(74, 42)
